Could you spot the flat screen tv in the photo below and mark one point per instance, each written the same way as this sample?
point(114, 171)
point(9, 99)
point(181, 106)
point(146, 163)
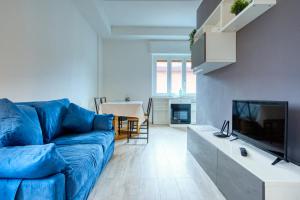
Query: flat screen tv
point(263, 124)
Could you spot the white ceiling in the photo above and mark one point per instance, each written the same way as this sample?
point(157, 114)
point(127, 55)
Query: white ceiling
point(157, 13)
point(141, 19)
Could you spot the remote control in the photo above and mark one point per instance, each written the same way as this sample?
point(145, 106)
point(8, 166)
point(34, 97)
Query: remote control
point(243, 152)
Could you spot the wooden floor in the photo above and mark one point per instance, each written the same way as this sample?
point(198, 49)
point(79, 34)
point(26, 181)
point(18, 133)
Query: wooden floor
point(161, 170)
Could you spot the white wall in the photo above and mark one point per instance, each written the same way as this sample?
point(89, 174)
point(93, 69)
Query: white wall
point(128, 66)
point(47, 51)
point(166, 47)
point(100, 67)
point(127, 70)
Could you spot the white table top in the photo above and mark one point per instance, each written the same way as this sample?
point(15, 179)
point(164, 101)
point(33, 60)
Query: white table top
point(123, 108)
point(125, 102)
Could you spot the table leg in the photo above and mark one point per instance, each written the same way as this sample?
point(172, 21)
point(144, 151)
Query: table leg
point(119, 125)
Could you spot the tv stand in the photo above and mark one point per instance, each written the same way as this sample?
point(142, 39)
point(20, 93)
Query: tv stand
point(238, 177)
point(276, 161)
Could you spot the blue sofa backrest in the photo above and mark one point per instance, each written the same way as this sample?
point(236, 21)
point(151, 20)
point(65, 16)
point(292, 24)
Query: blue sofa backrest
point(50, 115)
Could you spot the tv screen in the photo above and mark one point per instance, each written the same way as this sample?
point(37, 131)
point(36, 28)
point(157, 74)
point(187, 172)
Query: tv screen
point(262, 123)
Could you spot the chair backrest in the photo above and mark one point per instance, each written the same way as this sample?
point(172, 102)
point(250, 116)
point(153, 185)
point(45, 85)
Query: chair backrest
point(102, 100)
point(98, 101)
point(149, 107)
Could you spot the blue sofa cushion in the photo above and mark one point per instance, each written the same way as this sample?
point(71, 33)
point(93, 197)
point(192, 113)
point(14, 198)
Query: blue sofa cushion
point(51, 115)
point(32, 114)
point(103, 138)
point(65, 102)
point(16, 128)
point(34, 161)
point(78, 119)
point(84, 163)
point(104, 122)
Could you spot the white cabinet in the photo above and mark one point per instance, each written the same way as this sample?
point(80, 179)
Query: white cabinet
point(242, 178)
point(194, 111)
point(213, 50)
point(162, 111)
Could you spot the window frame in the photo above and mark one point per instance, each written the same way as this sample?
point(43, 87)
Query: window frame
point(184, 58)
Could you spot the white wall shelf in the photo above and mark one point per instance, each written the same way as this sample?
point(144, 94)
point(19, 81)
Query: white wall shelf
point(253, 10)
point(223, 22)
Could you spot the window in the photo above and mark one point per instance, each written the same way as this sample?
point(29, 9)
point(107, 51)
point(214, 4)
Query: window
point(162, 76)
point(190, 79)
point(173, 76)
point(176, 77)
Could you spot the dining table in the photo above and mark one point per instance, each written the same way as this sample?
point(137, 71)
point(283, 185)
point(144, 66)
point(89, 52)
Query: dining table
point(128, 109)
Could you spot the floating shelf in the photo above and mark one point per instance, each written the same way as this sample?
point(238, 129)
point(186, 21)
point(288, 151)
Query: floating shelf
point(250, 13)
point(220, 23)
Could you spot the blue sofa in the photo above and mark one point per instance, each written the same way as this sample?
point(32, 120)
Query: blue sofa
point(85, 155)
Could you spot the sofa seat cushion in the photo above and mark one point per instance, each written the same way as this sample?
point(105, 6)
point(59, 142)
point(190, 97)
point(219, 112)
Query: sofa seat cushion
point(17, 128)
point(78, 119)
point(84, 163)
point(104, 138)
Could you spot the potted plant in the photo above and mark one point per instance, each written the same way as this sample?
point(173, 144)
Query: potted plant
point(192, 35)
point(239, 5)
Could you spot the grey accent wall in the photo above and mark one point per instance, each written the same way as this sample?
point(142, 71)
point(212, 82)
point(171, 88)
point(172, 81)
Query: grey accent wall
point(267, 68)
point(205, 9)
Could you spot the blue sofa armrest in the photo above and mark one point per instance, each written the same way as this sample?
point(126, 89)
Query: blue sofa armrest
point(30, 162)
point(103, 122)
point(51, 188)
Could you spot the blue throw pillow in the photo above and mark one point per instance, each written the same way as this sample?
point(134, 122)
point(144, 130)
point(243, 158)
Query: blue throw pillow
point(104, 122)
point(32, 114)
point(16, 128)
point(51, 115)
point(78, 119)
point(30, 162)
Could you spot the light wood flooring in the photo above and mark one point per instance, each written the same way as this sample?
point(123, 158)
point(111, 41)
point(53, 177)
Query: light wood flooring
point(161, 170)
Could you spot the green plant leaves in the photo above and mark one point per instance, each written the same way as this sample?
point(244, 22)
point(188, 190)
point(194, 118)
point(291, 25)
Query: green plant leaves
point(192, 35)
point(239, 5)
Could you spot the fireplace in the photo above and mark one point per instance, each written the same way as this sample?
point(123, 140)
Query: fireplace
point(180, 113)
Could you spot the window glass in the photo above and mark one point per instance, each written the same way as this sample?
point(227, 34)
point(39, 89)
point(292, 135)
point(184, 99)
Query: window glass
point(176, 77)
point(190, 79)
point(162, 77)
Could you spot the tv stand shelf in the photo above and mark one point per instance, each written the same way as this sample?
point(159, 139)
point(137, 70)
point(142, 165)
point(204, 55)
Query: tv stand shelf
point(242, 178)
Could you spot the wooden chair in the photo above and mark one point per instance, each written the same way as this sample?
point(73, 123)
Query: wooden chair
point(121, 121)
point(98, 101)
point(133, 126)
